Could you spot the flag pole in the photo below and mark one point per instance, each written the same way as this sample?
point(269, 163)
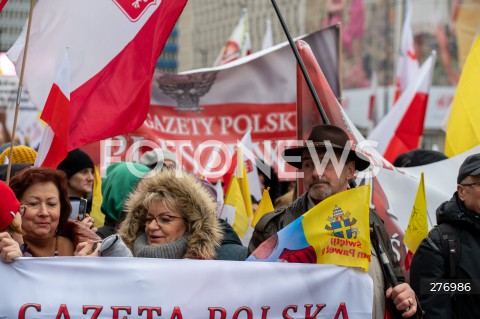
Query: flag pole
point(340, 64)
point(300, 63)
point(19, 92)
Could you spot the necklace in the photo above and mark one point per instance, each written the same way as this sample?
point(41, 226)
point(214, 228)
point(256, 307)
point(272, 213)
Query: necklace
point(55, 254)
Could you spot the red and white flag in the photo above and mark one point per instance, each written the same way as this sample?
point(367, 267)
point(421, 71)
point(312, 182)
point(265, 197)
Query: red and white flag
point(112, 46)
point(268, 35)
point(2, 4)
point(372, 101)
point(400, 131)
point(407, 67)
point(238, 44)
point(54, 145)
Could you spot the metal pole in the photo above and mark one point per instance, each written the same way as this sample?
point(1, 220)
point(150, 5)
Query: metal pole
point(386, 74)
point(19, 91)
point(300, 63)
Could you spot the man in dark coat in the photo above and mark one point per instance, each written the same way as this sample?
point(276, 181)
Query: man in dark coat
point(328, 163)
point(434, 261)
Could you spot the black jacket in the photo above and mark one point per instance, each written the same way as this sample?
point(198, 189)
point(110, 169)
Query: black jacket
point(428, 264)
point(231, 248)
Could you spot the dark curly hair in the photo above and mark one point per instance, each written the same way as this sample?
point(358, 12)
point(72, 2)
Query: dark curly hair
point(27, 177)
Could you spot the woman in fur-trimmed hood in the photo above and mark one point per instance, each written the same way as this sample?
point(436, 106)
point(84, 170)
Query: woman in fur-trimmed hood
point(171, 217)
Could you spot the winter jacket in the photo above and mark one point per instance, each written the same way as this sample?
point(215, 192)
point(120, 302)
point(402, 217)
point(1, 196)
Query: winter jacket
point(231, 247)
point(429, 266)
point(192, 200)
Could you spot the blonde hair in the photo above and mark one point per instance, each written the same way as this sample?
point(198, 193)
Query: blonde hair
point(15, 227)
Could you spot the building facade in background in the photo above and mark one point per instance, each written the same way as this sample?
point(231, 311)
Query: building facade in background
point(206, 25)
point(12, 19)
point(168, 60)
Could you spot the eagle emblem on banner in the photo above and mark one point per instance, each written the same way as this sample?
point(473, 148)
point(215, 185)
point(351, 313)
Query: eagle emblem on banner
point(187, 90)
point(340, 224)
point(134, 9)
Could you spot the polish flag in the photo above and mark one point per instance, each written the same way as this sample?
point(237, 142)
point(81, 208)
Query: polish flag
point(2, 4)
point(268, 35)
point(408, 66)
point(112, 46)
point(401, 130)
point(54, 145)
point(238, 44)
point(372, 103)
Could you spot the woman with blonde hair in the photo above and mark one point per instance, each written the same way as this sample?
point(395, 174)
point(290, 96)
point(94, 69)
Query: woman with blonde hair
point(171, 217)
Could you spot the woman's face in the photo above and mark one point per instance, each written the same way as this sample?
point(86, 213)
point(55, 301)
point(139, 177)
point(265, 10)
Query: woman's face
point(42, 210)
point(163, 225)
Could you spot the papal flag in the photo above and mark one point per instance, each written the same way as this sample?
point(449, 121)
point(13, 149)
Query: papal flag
point(264, 207)
point(336, 231)
point(234, 209)
point(417, 228)
point(463, 131)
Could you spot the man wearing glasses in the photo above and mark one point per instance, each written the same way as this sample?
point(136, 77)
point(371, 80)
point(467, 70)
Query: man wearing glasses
point(445, 271)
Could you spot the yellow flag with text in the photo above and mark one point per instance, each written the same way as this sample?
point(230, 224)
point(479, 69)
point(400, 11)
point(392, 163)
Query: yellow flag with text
point(265, 206)
point(417, 228)
point(463, 130)
point(338, 228)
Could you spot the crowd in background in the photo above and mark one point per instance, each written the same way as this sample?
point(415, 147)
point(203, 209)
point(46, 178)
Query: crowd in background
point(147, 211)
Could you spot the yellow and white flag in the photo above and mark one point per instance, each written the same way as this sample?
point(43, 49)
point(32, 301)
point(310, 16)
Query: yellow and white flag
point(234, 209)
point(417, 228)
point(336, 231)
point(265, 206)
point(463, 131)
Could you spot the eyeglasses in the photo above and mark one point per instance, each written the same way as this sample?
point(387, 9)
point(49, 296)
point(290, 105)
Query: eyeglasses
point(472, 184)
point(51, 206)
point(162, 220)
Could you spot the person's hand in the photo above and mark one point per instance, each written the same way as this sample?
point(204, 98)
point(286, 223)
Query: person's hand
point(404, 299)
point(90, 223)
point(9, 248)
point(88, 248)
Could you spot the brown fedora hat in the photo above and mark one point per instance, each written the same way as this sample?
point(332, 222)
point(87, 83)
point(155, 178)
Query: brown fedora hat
point(338, 139)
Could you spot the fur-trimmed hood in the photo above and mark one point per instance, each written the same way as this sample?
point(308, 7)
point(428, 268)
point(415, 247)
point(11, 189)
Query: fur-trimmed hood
point(192, 200)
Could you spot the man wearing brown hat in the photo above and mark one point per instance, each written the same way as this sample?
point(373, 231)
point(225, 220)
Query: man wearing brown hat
point(328, 148)
point(451, 253)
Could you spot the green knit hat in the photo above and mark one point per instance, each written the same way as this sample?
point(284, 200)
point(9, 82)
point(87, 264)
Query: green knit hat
point(119, 182)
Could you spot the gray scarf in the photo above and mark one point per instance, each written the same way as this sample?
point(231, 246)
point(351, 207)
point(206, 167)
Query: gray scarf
point(174, 250)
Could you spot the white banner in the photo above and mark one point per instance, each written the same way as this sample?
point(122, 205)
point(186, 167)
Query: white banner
point(101, 287)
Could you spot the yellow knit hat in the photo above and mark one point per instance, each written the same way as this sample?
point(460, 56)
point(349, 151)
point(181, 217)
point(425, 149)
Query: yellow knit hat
point(21, 154)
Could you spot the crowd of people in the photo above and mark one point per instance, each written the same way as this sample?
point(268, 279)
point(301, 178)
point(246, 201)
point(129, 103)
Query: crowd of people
point(150, 212)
